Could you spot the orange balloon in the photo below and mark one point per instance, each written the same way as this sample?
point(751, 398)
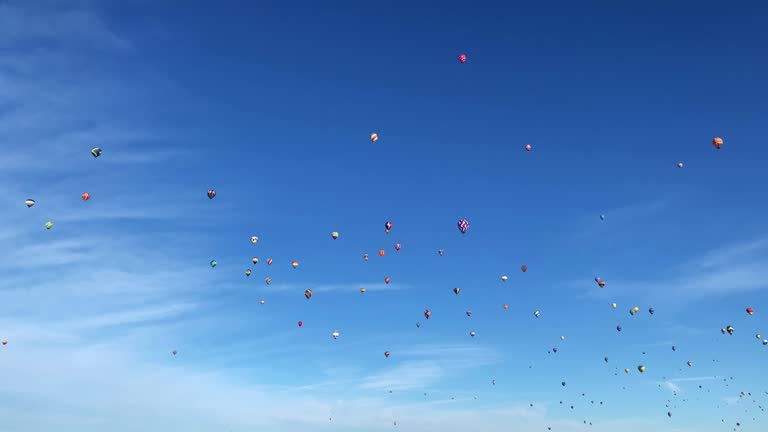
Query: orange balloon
point(86, 196)
point(382, 253)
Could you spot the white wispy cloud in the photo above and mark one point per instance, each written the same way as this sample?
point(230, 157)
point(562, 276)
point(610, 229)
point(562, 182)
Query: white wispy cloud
point(618, 216)
point(671, 386)
point(21, 21)
point(734, 268)
point(701, 378)
point(426, 365)
point(341, 287)
point(406, 376)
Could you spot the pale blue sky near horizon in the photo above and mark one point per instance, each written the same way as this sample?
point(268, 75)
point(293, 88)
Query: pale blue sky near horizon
point(272, 104)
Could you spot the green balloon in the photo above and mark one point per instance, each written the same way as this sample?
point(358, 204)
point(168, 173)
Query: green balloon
point(48, 225)
point(214, 263)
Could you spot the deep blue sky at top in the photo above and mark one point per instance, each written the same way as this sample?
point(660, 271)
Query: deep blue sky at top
point(277, 101)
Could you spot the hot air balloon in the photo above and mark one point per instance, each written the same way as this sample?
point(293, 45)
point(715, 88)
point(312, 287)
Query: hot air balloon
point(386, 354)
point(758, 336)
point(174, 352)
point(362, 290)
point(562, 383)
point(618, 328)
point(679, 164)
point(669, 413)
point(765, 341)
point(247, 272)
point(689, 363)
point(387, 227)
point(334, 235)
point(261, 302)
point(600, 282)
point(48, 225)
point(269, 261)
point(504, 278)
point(674, 348)
point(729, 329)
point(750, 311)
point(268, 280)
point(374, 137)
point(335, 334)
point(613, 305)
point(96, 152)
point(397, 246)
point(427, 314)
point(651, 311)
point(254, 239)
point(85, 196)
point(506, 306)
point(641, 368)
point(308, 293)
point(462, 58)
point(456, 291)
point(255, 260)
point(626, 370)
point(386, 280)
point(418, 324)
point(472, 333)
point(365, 257)
point(469, 313)
point(524, 268)
point(634, 310)
point(301, 323)
point(602, 217)
point(605, 359)
point(5, 342)
point(528, 147)
point(29, 202)
point(214, 263)
point(717, 142)
point(440, 252)
point(294, 263)
point(211, 193)
point(382, 252)
point(537, 314)
point(463, 225)
point(554, 350)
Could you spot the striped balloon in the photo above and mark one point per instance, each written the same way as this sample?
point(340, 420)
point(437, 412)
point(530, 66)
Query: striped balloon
point(463, 225)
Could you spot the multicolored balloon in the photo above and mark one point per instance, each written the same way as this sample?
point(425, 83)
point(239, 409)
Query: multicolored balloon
point(463, 225)
point(211, 193)
point(29, 202)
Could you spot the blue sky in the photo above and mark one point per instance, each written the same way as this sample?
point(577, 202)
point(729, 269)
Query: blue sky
point(271, 104)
